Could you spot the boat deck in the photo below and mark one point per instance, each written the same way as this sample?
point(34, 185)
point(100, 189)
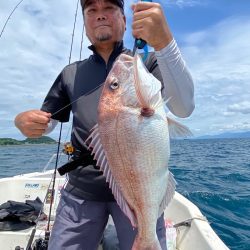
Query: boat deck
point(193, 232)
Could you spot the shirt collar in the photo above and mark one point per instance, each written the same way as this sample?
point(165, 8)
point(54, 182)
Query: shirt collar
point(118, 48)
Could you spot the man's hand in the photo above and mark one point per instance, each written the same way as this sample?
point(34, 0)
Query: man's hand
point(149, 24)
point(32, 123)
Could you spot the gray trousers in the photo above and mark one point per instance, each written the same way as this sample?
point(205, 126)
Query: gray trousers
point(80, 225)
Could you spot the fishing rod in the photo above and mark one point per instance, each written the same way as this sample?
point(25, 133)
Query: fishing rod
point(80, 58)
point(73, 33)
point(83, 30)
point(42, 243)
point(6, 22)
point(29, 245)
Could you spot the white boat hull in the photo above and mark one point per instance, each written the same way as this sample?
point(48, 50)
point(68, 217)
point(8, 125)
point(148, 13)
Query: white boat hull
point(198, 236)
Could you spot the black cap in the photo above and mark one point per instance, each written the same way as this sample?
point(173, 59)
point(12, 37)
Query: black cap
point(119, 3)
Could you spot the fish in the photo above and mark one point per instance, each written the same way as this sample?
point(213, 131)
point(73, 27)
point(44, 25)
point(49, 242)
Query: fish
point(131, 144)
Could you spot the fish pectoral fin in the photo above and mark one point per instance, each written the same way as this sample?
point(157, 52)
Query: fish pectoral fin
point(102, 162)
point(177, 129)
point(170, 191)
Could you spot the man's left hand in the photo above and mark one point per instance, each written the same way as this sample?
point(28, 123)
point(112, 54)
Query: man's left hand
point(149, 24)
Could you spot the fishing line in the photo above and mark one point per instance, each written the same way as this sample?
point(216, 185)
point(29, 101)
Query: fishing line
point(73, 33)
point(83, 30)
point(68, 105)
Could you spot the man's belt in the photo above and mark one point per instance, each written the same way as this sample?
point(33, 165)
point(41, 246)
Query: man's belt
point(77, 160)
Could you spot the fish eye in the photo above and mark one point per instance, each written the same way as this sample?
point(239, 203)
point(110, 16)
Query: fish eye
point(114, 85)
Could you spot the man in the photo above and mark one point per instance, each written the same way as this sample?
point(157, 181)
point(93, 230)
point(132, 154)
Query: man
point(86, 201)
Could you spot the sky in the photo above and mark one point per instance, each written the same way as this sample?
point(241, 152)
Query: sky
point(213, 36)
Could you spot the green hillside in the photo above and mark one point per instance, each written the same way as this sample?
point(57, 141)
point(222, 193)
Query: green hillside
point(41, 140)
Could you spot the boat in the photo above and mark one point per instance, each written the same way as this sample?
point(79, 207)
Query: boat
point(187, 228)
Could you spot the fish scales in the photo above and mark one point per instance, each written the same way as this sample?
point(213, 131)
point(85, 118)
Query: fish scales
point(136, 147)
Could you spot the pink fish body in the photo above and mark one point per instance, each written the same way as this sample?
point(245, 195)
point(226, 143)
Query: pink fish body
point(131, 146)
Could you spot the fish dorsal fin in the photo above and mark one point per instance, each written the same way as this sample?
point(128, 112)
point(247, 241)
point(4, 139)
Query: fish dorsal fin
point(148, 88)
point(176, 129)
point(101, 159)
point(170, 191)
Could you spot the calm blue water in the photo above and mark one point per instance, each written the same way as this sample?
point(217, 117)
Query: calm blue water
point(213, 174)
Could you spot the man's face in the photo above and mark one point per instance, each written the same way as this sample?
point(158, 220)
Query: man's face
point(104, 22)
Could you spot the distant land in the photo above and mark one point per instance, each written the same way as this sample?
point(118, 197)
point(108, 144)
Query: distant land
point(228, 135)
point(42, 140)
point(49, 140)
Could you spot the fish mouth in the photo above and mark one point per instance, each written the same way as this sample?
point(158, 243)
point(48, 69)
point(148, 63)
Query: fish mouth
point(147, 112)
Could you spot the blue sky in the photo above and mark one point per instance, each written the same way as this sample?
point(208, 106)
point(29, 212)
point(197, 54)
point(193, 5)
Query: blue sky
point(213, 37)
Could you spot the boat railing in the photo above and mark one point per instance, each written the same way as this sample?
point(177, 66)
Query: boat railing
point(52, 158)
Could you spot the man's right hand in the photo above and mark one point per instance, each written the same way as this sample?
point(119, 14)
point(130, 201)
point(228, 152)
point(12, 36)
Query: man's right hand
point(32, 123)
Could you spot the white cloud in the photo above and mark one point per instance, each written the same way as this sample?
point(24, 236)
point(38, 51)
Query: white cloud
point(237, 126)
point(35, 47)
point(243, 107)
point(219, 59)
point(36, 43)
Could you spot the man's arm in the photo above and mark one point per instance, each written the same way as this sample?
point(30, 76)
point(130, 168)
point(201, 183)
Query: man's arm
point(35, 123)
point(149, 23)
point(178, 83)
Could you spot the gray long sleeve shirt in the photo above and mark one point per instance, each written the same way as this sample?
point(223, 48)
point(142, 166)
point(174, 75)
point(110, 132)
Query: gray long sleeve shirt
point(82, 81)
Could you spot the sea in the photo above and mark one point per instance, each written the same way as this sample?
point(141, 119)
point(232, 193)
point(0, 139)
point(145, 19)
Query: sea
point(213, 173)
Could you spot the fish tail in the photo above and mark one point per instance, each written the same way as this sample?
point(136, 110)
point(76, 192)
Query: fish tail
point(140, 244)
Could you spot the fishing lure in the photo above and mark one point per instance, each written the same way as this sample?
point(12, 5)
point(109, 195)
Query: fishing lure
point(141, 44)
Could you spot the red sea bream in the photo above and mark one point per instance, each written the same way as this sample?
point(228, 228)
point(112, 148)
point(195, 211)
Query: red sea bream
point(131, 146)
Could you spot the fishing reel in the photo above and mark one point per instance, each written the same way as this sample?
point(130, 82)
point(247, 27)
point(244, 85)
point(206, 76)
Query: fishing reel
point(40, 244)
point(68, 149)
